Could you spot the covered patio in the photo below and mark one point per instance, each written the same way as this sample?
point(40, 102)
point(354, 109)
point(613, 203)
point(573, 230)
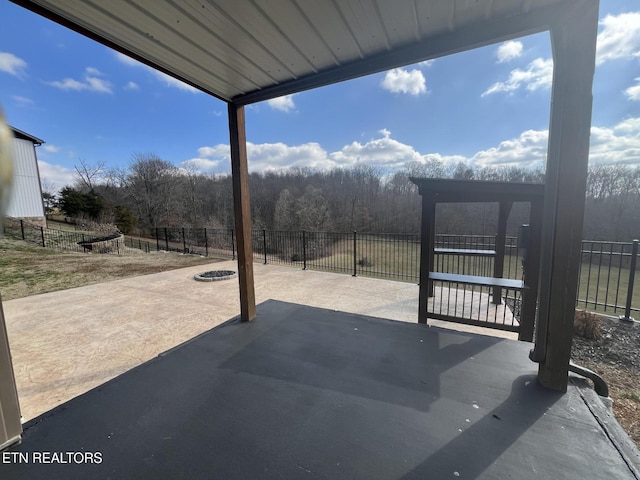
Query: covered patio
point(306, 391)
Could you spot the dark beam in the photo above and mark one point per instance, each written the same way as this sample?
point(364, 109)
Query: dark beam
point(459, 40)
point(574, 44)
point(242, 210)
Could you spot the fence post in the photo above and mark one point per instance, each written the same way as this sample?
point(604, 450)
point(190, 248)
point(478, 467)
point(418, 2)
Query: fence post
point(632, 277)
point(233, 245)
point(264, 244)
point(22, 228)
point(166, 238)
point(355, 257)
point(42, 235)
point(184, 242)
point(206, 243)
point(304, 250)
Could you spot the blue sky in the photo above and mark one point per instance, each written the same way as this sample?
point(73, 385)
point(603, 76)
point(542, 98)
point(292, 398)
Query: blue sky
point(485, 107)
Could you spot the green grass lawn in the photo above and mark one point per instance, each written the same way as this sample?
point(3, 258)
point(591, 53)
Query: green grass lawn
point(401, 261)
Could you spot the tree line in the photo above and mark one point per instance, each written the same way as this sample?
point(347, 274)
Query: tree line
point(152, 193)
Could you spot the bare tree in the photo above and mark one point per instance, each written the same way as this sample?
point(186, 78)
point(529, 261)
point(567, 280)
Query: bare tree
point(87, 175)
point(49, 195)
point(152, 184)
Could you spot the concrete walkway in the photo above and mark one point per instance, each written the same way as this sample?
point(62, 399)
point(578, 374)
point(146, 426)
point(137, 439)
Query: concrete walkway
point(66, 343)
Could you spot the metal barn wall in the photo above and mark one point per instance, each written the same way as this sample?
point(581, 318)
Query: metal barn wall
point(26, 196)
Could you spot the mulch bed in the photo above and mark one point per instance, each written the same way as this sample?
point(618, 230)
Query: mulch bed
point(615, 356)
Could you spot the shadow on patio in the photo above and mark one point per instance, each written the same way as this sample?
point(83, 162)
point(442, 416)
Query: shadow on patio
point(304, 391)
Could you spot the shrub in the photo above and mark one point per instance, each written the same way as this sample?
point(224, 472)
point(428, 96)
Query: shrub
point(365, 262)
point(587, 325)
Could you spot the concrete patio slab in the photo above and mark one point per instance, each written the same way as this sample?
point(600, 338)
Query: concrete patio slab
point(65, 343)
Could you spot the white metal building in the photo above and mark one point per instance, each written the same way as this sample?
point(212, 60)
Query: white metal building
point(26, 195)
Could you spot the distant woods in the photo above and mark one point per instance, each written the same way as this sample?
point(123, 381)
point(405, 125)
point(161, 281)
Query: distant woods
point(153, 193)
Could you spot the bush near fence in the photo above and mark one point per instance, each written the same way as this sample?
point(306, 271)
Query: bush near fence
point(607, 269)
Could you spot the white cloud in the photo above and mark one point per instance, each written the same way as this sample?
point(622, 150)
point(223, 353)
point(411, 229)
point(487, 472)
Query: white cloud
point(618, 144)
point(12, 65)
point(172, 82)
point(509, 50)
point(538, 75)
point(633, 92)
point(265, 156)
point(400, 80)
point(201, 164)
point(51, 148)
point(56, 175)
point(93, 72)
point(284, 103)
point(131, 86)
point(381, 152)
point(23, 101)
point(529, 149)
point(122, 58)
point(167, 80)
point(619, 38)
point(220, 150)
point(90, 83)
point(426, 63)
point(274, 156)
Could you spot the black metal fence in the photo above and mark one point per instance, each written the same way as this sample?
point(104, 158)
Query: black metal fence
point(82, 242)
point(607, 269)
point(607, 277)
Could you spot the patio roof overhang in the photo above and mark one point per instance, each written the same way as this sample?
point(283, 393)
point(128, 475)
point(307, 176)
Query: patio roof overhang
point(244, 52)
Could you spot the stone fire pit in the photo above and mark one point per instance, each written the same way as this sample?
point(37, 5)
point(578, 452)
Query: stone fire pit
point(215, 275)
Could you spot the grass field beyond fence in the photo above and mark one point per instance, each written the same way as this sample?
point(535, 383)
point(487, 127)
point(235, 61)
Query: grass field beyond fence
point(605, 270)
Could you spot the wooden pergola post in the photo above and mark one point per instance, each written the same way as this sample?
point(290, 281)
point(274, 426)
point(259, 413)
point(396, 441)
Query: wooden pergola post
point(501, 244)
point(574, 44)
point(242, 210)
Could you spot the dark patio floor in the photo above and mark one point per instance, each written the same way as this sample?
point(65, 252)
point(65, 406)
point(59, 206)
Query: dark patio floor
point(307, 392)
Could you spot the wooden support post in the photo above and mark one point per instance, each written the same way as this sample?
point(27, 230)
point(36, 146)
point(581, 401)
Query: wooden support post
point(531, 273)
point(501, 242)
point(426, 255)
point(242, 210)
point(574, 43)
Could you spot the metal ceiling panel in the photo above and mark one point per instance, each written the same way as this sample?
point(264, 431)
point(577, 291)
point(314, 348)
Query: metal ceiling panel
point(366, 22)
point(336, 25)
point(401, 24)
point(251, 50)
point(250, 31)
point(302, 32)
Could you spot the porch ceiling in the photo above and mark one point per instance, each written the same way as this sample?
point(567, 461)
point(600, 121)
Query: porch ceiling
point(249, 51)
